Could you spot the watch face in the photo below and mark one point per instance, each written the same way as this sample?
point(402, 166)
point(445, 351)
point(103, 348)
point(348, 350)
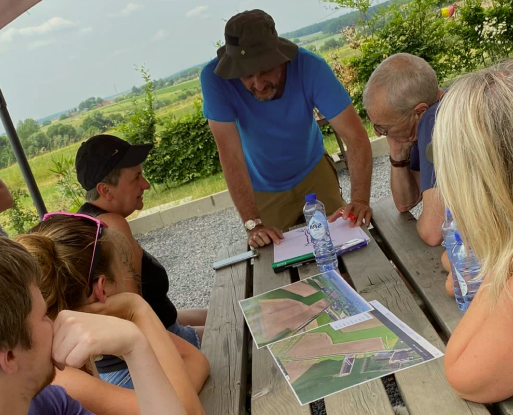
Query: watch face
point(250, 224)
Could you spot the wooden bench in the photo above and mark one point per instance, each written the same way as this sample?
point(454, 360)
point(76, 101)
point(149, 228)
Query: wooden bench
point(420, 264)
point(235, 361)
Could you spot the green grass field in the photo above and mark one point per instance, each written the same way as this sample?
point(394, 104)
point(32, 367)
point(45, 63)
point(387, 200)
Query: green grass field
point(42, 164)
point(339, 337)
point(170, 93)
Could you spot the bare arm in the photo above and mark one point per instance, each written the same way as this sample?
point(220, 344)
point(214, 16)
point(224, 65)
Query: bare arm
point(478, 362)
point(359, 153)
point(234, 168)
point(77, 336)
point(196, 362)
point(429, 225)
point(238, 181)
point(5, 197)
point(133, 307)
point(404, 182)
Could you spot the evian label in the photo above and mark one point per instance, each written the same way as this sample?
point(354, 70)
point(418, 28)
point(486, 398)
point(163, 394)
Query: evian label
point(317, 226)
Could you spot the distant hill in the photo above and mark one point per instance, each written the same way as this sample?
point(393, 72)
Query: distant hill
point(330, 26)
point(333, 26)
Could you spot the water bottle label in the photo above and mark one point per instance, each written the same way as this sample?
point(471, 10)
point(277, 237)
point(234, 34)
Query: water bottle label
point(317, 226)
point(461, 280)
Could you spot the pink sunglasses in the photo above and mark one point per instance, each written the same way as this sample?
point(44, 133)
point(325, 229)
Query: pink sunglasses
point(100, 226)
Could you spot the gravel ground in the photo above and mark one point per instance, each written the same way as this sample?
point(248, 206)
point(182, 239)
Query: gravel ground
point(187, 250)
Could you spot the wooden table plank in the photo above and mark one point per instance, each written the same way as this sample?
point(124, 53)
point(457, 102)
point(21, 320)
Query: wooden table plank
point(225, 339)
point(271, 393)
point(421, 266)
point(424, 388)
point(368, 399)
point(417, 261)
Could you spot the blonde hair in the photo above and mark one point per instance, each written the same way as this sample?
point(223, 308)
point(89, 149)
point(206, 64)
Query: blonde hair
point(473, 155)
point(63, 247)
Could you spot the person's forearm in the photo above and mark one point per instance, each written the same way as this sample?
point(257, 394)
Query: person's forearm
point(405, 190)
point(196, 363)
point(155, 394)
point(6, 200)
point(240, 188)
point(170, 360)
point(360, 170)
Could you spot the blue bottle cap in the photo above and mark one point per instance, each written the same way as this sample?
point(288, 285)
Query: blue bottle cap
point(311, 197)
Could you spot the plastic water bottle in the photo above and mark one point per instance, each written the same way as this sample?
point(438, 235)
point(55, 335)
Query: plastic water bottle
point(464, 268)
point(317, 225)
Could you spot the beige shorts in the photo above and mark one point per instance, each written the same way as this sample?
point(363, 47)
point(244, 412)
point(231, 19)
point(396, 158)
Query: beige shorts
point(285, 209)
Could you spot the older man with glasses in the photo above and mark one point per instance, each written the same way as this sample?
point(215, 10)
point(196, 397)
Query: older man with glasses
point(401, 99)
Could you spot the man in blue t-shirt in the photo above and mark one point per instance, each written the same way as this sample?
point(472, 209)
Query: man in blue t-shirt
point(401, 99)
point(30, 345)
point(259, 96)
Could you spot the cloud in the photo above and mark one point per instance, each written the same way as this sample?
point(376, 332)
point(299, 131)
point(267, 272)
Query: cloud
point(130, 8)
point(196, 12)
point(55, 24)
point(160, 35)
point(39, 44)
point(85, 31)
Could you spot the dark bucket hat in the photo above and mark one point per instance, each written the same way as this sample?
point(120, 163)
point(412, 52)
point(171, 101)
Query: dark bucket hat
point(252, 45)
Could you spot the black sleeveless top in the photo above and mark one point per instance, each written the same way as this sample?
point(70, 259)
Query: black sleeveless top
point(154, 284)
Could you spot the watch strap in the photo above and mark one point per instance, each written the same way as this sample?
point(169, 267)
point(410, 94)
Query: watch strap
point(399, 163)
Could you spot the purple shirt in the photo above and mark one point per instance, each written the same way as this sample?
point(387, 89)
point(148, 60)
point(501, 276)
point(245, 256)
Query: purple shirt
point(53, 400)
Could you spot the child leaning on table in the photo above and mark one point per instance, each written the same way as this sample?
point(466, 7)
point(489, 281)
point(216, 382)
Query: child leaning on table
point(473, 155)
point(85, 268)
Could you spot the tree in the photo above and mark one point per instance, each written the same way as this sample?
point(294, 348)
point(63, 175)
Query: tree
point(98, 121)
point(61, 129)
point(36, 143)
point(26, 128)
point(6, 153)
point(46, 122)
point(88, 104)
point(331, 44)
point(62, 117)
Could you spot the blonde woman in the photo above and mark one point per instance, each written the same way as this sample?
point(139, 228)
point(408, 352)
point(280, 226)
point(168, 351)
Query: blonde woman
point(84, 268)
point(473, 154)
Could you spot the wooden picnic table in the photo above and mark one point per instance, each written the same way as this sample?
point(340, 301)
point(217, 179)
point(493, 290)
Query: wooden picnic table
point(239, 369)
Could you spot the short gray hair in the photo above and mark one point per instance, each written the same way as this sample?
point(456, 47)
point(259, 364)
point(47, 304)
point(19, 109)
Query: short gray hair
point(111, 178)
point(407, 81)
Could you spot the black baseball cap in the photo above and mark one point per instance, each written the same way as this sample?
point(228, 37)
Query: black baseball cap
point(101, 154)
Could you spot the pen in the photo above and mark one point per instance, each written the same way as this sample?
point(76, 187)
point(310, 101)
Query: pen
point(350, 216)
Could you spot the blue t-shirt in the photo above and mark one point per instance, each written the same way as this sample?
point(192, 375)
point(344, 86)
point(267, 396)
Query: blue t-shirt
point(418, 160)
point(53, 400)
point(280, 138)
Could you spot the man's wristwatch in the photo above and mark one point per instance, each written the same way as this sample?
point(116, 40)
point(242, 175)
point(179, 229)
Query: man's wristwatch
point(252, 224)
point(399, 163)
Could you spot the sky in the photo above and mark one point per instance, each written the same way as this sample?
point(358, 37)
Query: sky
point(63, 51)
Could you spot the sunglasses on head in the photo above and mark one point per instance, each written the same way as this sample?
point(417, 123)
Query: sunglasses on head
point(96, 248)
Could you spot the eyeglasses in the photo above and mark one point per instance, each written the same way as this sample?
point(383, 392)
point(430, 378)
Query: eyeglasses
point(384, 130)
point(96, 248)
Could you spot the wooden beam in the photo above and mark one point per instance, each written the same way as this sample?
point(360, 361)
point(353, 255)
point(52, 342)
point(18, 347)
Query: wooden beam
point(271, 394)
point(424, 388)
point(420, 264)
point(225, 339)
